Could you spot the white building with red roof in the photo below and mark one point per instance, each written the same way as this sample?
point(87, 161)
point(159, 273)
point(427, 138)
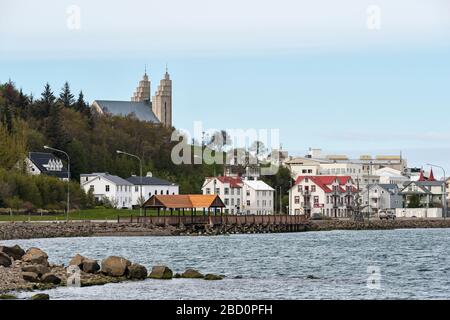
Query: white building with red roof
point(241, 196)
point(331, 196)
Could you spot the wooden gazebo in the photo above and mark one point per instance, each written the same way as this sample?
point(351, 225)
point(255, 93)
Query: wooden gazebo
point(183, 202)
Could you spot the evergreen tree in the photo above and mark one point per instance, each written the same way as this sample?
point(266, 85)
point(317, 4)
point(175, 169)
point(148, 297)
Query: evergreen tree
point(7, 118)
point(80, 105)
point(46, 102)
point(22, 103)
point(66, 97)
point(55, 128)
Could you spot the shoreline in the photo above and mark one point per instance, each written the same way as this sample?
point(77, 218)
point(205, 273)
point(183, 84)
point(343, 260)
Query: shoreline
point(36, 230)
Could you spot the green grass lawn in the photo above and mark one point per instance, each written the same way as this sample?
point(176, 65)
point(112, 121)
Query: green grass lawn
point(89, 214)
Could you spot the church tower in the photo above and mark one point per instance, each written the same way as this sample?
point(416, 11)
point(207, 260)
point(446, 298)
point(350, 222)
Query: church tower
point(162, 101)
point(142, 93)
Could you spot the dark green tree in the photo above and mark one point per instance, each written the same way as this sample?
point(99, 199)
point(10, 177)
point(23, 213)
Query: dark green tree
point(56, 133)
point(80, 105)
point(66, 97)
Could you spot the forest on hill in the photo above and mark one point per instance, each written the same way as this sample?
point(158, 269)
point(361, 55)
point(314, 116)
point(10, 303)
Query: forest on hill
point(65, 121)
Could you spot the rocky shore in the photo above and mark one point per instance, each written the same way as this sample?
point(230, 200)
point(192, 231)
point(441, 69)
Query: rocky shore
point(32, 230)
point(30, 270)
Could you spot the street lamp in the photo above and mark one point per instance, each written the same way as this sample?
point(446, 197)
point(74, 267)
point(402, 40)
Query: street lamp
point(445, 187)
point(140, 167)
point(68, 177)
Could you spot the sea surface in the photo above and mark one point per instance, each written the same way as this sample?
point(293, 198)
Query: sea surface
point(387, 264)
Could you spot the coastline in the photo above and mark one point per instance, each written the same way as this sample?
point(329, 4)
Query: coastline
point(33, 230)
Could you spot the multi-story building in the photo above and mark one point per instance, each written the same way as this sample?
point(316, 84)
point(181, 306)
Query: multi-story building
point(362, 170)
point(257, 197)
point(380, 197)
point(424, 193)
point(229, 189)
point(45, 163)
point(391, 176)
point(241, 196)
point(107, 187)
point(331, 196)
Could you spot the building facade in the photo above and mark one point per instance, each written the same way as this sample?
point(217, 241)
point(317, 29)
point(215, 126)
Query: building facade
point(381, 197)
point(257, 197)
point(158, 111)
point(150, 186)
point(330, 196)
point(106, 187)
point(45, 163)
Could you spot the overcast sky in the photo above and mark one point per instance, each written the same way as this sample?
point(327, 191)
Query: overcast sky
point(320, 71)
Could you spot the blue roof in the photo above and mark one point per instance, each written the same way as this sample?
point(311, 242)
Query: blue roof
point(142, 110)
point(150, 181)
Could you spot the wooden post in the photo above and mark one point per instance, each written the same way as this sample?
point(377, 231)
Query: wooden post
point(192, 215)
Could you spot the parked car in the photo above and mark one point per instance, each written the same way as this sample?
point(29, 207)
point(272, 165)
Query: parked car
point(386, 214)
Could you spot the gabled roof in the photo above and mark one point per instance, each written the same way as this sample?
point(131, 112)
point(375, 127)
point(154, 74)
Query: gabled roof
point(143, 111)
point(324, 181)
point(234, 182)
point(40, 159)
point(149, 181)
point(258, 185)
point(112, 178)
point(184, 201)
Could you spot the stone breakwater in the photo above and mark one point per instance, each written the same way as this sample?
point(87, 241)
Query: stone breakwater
point(31, 230)
point(31, 270)
point(327, 225)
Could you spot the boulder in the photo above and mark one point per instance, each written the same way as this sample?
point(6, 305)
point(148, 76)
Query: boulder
point(50, 278)
point(36, 256)
point(177, 275)
point(40, 296)
point(161, 272)
point(39, 269)
point(77, 260)
point(90, 266)
point(137, 271)
point(5, 260)
point(15, 252)
point(115, 266)
point(212, 277)
point(30, 276)
point(192, 274)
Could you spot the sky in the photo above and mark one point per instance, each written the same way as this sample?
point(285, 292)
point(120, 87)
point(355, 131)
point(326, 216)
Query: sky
point(351, 76)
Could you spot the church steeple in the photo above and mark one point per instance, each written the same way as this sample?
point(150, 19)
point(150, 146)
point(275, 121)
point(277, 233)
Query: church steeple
point(142, 93)
point(162, 101)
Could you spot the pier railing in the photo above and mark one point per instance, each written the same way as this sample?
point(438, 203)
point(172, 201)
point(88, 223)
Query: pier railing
point(216, 220)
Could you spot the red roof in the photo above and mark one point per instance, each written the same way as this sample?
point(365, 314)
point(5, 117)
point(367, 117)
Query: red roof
point(421, 177)
point(235, 182)
point(323, 181)
point(431, 178)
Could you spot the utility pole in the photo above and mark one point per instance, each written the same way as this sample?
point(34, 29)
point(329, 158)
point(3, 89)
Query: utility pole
point(141, 199)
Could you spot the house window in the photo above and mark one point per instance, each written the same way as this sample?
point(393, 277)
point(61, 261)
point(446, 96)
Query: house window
point(238, 201)
point(107, 188)
point(156, 191)
point(299, 188)
point(217, 190)
point(313, 188)
point(232, 201)
point(227, 202)
point(248, 192)
point(91, 188)
point(167, 191)
point(248, 202)
point(149, 194)
point(238, 192)
point(316, 199)
point(227, 191)
point(296, 199)
point(136, 189)
point(208, 190)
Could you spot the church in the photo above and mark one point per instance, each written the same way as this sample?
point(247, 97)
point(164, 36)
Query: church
point(156, 109)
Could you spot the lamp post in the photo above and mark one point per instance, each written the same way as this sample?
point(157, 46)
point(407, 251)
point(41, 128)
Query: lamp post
point(68, 177)
point(140, 177)
point(445, 187)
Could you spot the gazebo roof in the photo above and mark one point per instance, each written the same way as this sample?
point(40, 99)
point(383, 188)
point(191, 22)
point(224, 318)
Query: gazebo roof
point(184, 201)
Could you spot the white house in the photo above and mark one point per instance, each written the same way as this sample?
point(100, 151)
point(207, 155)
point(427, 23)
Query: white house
point(241, 196)
point(45, 163)
point(150, 186)
point(257, 197)
point(228, 188)
point(332, 196)
point(104, 185)
point(382, 196)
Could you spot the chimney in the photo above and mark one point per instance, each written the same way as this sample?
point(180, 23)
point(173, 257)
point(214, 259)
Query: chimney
point(149, 174)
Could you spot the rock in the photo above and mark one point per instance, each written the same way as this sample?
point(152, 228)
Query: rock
point(212, 277)
point(35, 256)
point(7, 297)
point(30, 276)
point(5, 260)
point(177, 275)
point(311, 277)
point(40, 296)
point(115, 266)
point(161, 272)
point(39, 269)
point(50, 278)
point(77, 260)
point(15, 252)
point(137, 271)
point(90, 266)
point(192, 274)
